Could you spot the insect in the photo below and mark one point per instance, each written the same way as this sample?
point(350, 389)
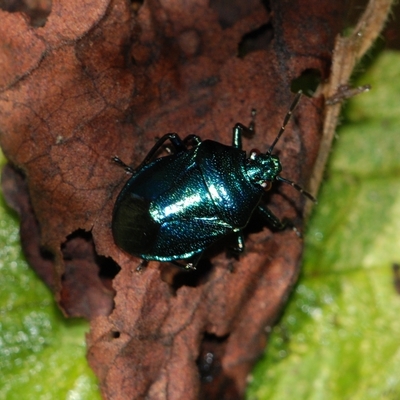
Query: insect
point(174, 207)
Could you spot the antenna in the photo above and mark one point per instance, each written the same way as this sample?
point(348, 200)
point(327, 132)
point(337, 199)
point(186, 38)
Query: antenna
point(297, 187)
point(280, 133)
point(285, 121)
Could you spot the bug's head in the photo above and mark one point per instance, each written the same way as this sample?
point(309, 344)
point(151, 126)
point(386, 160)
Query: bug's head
point(263, 169)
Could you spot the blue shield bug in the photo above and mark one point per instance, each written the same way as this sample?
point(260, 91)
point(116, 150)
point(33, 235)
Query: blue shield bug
point(175, 207)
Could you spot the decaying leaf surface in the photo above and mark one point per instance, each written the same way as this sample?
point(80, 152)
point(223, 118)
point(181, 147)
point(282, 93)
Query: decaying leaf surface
point(99, 79)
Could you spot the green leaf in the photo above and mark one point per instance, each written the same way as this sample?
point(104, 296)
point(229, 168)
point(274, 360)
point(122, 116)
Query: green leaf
point(42, 354)
point(338, 338)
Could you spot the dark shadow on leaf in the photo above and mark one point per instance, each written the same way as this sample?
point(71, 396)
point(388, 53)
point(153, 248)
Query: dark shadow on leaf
point(37, 12)
point(229, 12)
point(255, 40)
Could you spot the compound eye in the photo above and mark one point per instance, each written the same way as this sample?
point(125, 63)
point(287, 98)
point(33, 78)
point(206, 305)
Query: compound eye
point(254, 153)
point(266, 185)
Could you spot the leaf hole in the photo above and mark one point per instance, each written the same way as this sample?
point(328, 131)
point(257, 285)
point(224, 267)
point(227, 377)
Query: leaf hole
point(307, 82)
point(87, 279)
point(115, 334)
point(80, 246)
point(211, 352)
point(255, 40)
point(108, 268)
point(136, 5)
point(215, 383)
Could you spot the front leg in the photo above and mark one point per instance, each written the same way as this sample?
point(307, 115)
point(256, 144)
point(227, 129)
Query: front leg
point(274, 222)
point(240, 129)
point(271, 219)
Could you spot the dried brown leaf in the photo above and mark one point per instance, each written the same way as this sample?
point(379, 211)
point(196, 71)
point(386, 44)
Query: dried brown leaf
point(99, 79)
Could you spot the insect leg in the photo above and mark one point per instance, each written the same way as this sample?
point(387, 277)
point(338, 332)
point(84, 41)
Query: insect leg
point(240, 129)
point(142, 265)
point(188, 141)
point(274, 222)
point(126, 167)
point(192, 140)
point(271, 219)
point(239, 248)
point(191, 262)
point(173, 138)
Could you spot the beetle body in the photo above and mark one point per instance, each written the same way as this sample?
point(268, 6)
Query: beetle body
point(175, 207)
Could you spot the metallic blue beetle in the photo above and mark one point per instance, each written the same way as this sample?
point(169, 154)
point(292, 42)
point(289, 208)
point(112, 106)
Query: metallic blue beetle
point(174, 207)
